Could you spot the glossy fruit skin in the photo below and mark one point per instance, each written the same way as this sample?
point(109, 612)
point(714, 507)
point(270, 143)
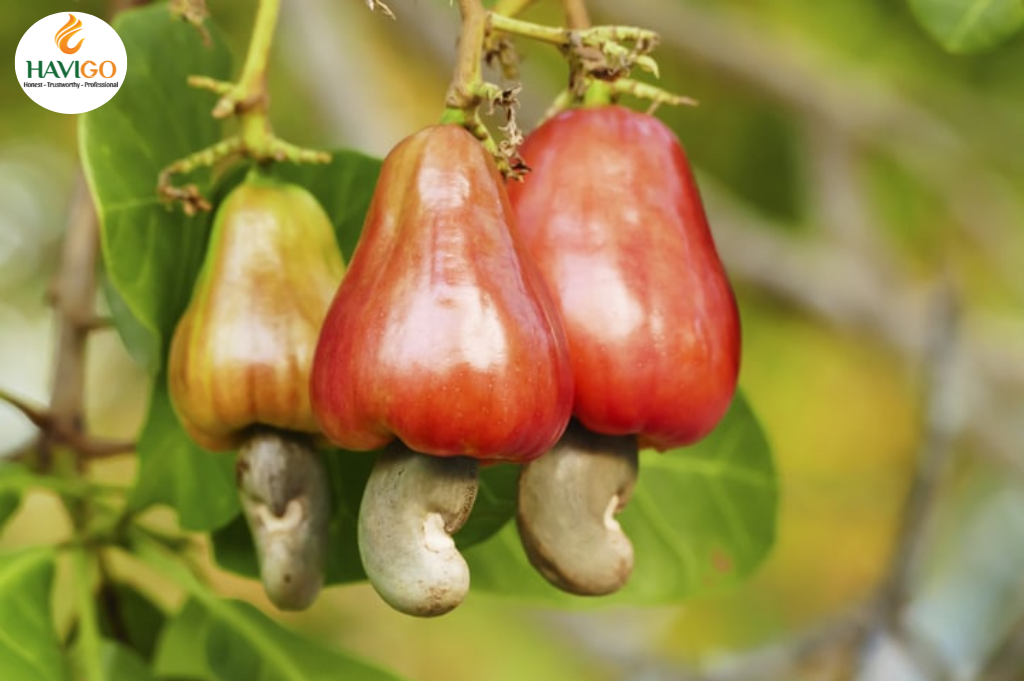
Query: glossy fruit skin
point(442, 334)
point(242, 351)
point(613, 218)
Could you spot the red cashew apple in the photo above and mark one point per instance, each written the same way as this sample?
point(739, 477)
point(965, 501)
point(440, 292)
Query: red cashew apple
point(444, 339)
point(612, 216)
point(442, 334)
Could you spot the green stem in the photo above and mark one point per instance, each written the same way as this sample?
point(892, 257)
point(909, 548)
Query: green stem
point(256, 133)
point(254, 72)
point(154, 553)
point(249, 101)
point(597, 94)
point(655, 95)
point(90, 644)
point(559, 37)
point(563, 37)
point(251, 97)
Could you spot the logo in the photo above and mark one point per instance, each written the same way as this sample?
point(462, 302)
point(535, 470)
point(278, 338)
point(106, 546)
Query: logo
point(71, 62)
point(65, 34)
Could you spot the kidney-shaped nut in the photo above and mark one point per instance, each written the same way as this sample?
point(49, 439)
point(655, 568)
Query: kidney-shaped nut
point(283, 488)
point(568, 499)
point(412, 505)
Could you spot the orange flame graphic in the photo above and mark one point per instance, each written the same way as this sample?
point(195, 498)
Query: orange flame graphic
point(65, 34)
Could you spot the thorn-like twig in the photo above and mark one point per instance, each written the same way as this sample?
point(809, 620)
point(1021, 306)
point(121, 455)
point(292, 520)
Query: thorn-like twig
point(941, 427)
point(73, 297)
point(39, 417)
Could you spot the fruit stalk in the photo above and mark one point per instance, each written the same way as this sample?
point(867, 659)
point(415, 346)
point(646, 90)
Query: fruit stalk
point(252, 82)
point(249, 101)
point(464, 90)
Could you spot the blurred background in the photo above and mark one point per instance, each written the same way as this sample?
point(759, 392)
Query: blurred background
point(866, 191)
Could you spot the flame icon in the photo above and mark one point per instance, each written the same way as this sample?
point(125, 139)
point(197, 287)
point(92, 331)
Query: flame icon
point(65, 34)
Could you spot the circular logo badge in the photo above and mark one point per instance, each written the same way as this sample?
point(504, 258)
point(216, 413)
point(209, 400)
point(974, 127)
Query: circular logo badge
point(71, 62)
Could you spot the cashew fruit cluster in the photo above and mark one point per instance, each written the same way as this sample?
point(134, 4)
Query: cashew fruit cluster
point(560, 323)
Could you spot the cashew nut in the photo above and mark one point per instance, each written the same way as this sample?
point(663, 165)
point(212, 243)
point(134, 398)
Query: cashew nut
point(567, 502)
point(412, 505)
point(283, 488)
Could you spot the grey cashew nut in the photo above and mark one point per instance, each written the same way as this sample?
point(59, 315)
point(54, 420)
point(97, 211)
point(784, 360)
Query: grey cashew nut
point(283, 487)
point(568, 499)
point(412, 505)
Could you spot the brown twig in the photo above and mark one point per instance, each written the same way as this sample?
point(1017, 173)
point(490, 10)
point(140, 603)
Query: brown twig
point(74, 293)
point(576, 16)
point(39, 417)
point(825, 646)
point(73, 297)
point(941, 427)
point(940, 431)
point(461, 94)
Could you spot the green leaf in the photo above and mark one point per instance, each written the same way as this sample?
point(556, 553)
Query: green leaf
point(14, 479)
point(236, 641)
point(233, 548)
point(121, 663)
point(173, 470)
point(348, 472)
point(129, 615)
point(142, 344)
point(701, 518)
point(180, 644)
point(29, 646)
point(151, 252)
point(9, 503)
point(344, 187)
point(494, 507)
point(963, 26)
